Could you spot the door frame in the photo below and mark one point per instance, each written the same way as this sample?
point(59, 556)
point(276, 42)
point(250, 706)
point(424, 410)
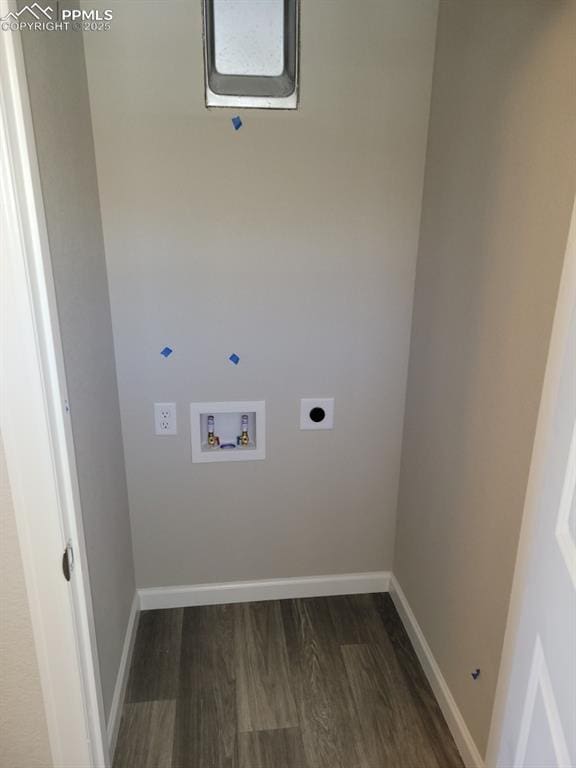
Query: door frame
point(37, 436)
point(565, 307)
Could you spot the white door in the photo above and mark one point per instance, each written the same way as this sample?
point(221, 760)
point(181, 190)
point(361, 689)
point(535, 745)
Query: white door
point(37, 436)
point(536, 709)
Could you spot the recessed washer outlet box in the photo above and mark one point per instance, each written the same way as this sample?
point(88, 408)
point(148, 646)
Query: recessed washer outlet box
point(217, 430)
point(317, 413)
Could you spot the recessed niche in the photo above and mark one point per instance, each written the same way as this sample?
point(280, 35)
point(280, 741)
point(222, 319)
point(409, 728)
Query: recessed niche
point(228, 431)
point(251, 53)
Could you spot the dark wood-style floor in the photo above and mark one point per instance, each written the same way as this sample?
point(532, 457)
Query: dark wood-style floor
point(312, 683)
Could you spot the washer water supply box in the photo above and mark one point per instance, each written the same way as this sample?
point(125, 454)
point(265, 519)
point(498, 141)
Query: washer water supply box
point(228, 431)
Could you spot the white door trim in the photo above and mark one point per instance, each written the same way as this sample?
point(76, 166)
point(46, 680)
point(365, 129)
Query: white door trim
point(36, 432)
point(565, 306)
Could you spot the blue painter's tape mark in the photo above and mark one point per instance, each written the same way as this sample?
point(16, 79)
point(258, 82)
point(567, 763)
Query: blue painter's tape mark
point(166, 352)
point(234, 359)
point(237, 123)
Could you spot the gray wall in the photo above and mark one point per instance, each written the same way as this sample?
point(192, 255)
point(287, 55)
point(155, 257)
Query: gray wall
point(500, 182)
point(61, 113)
point(291, 242)
point(23, 731)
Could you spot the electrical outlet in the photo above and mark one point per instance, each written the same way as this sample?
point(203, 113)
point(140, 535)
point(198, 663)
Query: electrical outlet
point(165, 418)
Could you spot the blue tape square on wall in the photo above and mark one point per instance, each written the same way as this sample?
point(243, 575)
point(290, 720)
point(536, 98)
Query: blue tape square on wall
point(234, 358)
point(166, 352)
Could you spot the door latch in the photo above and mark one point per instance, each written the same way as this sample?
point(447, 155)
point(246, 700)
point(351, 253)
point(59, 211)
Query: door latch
point(68, 561)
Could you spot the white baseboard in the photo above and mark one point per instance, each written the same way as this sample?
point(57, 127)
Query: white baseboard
point(462, 736)
point(273, 589)
point(122, 678)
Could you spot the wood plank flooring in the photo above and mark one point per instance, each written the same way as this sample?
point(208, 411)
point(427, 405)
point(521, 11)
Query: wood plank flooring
point(314, 683)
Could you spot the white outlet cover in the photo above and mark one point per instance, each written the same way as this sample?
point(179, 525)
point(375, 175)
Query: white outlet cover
point(165, 419)
point(308, 416)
